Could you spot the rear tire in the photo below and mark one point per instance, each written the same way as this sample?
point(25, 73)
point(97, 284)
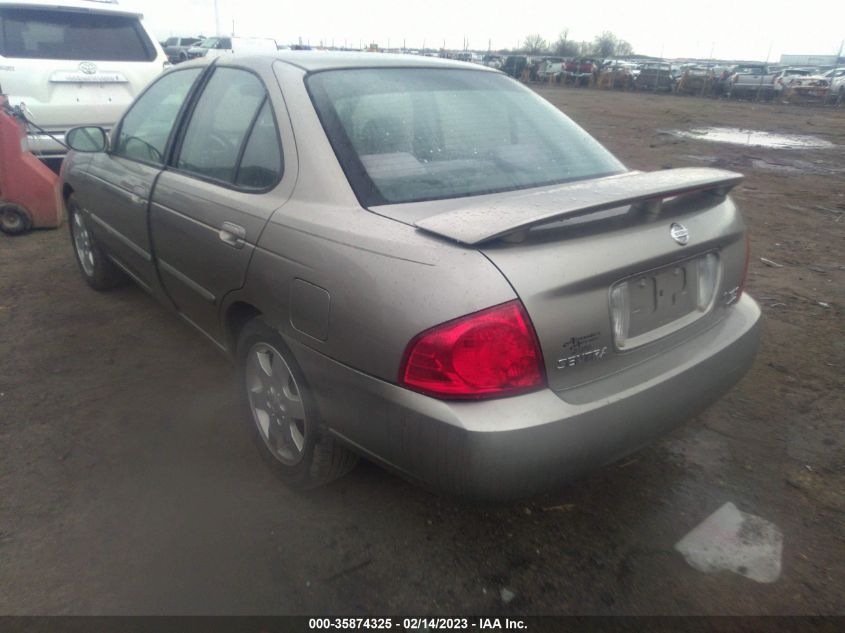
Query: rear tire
point(14, 219)
point(97, 269)
point(281, 412)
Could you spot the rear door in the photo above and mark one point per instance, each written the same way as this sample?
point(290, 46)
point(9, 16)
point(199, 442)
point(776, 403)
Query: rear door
point(210, 207)
point(117, 184)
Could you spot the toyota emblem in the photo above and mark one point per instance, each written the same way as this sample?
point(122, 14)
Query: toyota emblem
point(679, 233)
point(89, 68)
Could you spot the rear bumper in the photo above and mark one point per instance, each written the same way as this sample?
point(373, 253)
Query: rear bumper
point(521, 446)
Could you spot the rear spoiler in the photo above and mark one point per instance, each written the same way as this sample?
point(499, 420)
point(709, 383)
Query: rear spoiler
point(479, 222)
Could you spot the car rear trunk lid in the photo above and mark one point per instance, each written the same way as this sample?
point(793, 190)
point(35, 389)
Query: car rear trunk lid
point(565, 249)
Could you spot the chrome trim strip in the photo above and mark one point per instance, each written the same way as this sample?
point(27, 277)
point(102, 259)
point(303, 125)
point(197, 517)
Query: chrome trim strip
point(201, 331)
point(200, 290)
point(121, 237)
point(134, 277)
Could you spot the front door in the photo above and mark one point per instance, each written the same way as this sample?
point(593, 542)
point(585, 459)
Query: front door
point(117, 191)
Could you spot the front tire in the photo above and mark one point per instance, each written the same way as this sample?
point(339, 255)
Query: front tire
point(281, 412)
point(97, 269)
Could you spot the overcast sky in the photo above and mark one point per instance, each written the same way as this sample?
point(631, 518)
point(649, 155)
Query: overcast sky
point(736, 29)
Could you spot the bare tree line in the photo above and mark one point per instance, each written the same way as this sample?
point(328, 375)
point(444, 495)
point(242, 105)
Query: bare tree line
point(604, 46)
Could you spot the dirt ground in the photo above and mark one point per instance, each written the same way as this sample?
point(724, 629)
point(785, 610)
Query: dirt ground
point(128, 484)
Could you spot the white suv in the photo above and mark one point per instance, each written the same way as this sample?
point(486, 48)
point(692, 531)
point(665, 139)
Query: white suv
point(73, 62)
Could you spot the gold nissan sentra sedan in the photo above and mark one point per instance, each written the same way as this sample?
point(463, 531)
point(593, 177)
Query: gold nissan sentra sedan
point(418, 261)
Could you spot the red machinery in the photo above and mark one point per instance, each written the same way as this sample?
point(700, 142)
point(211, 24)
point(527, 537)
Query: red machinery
point(29, 192)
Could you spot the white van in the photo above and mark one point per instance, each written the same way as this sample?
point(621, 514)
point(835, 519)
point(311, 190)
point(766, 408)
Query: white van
point(223, 45)
point(73, 62)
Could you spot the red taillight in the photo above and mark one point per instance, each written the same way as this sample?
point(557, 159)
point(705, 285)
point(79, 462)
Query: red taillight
point(745, 267)
point(487, 354)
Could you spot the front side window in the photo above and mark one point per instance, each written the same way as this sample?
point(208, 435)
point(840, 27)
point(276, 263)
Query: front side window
point(222, 119)
point(407, 135)
point(52, 34)
point(146, 128)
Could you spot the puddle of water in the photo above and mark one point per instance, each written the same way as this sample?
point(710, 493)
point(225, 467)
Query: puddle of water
point(735, 541)
point(754, 138)
point(763, 164)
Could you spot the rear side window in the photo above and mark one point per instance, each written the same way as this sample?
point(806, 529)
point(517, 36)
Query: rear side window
point(146, 128)
point(51, 34)
point(261, 165)
point(232, 103)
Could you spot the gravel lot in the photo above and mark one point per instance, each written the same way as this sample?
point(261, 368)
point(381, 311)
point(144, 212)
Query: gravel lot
point(129, 485)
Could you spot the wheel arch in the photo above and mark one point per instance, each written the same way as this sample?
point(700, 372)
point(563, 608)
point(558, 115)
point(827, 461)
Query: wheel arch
point(237, 315)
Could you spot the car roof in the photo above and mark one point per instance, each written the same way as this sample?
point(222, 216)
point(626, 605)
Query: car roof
point(313, 61)
point(98, 6)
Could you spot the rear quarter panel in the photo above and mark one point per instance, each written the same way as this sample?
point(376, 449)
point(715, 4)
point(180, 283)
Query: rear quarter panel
point(386, 281)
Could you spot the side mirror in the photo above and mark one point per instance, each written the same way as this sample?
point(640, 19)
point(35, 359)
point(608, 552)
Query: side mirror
point(87, 139)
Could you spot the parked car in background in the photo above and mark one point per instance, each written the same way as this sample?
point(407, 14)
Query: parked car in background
point(581, 71)
point(836, 81)
point(695, 80)
point(551, 71)
point(783, 78)
point(829, 85)
point(753, 81)
point(721, 78)
point(468, 56)
point(488, 305)
point(514, 65)
point(73, 62)
point(616, 75)
point(221, 46)
point(176, 48)
point(493, 61)
point(655, 76)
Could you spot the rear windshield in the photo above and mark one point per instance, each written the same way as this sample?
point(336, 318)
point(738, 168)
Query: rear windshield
point(408, 135)
point(50, 34)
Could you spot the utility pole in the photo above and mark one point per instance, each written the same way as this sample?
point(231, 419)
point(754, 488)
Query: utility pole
point(216, 18)
point(710, 72)
point(830, 83)
point(659, 68)
point(762, 76)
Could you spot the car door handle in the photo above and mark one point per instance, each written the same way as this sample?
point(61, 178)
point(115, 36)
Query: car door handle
point(232, 235)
